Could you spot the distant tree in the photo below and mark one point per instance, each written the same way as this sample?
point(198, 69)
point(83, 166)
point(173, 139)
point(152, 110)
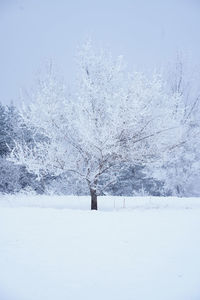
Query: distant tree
point(113, 119)
point(134, 180)
point(180, 168)
point(12, 130)
point(15, 178)
point(3, 131)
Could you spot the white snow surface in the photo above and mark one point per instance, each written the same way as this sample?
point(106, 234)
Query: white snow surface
point(54, 247)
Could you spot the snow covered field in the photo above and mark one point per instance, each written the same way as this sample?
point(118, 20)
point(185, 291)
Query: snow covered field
point(131, 249)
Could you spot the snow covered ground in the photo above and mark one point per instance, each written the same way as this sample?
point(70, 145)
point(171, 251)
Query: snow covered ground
point(55, 248)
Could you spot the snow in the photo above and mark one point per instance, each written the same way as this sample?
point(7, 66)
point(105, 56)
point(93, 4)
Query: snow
point(54, 247)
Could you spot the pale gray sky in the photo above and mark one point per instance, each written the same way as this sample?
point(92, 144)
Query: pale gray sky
point(148, 33)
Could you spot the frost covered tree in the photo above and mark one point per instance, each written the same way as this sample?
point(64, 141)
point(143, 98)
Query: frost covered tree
point(13, 178)
point(3, 131)
point(180, 168)
point(113, 119)
point(12, 129)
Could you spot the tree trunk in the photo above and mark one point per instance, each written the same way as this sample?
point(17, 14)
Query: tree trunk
point(93, 194)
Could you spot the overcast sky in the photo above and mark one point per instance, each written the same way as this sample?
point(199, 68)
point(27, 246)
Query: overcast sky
point(147, 33)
